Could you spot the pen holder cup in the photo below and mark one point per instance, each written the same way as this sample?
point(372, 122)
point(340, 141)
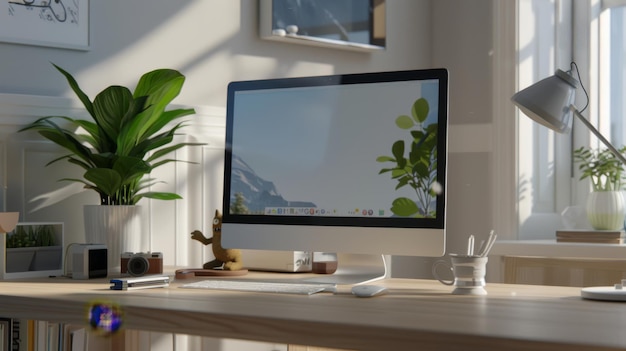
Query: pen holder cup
point(469, 274)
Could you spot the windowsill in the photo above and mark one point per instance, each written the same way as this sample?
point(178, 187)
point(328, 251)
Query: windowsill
point(551, 248)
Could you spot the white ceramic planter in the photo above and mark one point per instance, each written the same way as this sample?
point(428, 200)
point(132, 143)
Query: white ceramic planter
point(119, 228)
point(605, 210)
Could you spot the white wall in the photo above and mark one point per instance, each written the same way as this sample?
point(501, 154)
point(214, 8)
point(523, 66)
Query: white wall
point(463, 41)
point(213, 42)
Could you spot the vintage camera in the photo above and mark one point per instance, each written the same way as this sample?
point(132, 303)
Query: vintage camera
point(138, 264)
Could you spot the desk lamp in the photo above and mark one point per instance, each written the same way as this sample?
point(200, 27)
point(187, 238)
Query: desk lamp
point(549, 102)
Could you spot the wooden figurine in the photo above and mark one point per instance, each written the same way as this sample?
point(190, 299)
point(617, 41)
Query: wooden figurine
point(228, 259)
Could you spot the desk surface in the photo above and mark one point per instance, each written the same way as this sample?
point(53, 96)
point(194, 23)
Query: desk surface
point(415, 313)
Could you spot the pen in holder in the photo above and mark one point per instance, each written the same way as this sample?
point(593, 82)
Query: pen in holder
point(469, 270)
point(469, 274)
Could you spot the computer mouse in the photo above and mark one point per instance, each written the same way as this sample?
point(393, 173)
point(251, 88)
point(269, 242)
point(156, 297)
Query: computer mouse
point(368, 290)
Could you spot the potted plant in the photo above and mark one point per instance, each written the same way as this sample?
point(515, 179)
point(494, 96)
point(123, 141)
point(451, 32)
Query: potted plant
point(125, 141)
point(605, 204)
point(130, 135)
point(34, 247)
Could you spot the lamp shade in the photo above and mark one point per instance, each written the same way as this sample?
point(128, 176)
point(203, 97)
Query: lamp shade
point(8, 221)
point(548, 101)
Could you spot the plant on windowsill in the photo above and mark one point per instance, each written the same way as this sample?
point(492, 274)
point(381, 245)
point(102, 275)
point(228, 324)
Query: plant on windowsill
point(605, 204)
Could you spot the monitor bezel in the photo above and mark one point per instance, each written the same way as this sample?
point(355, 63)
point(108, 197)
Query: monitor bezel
point(434, 227)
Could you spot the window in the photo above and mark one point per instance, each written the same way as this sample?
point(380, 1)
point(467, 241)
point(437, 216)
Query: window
point(595, 39)
point(544, 161)
point(612, 75)
point(600, 52)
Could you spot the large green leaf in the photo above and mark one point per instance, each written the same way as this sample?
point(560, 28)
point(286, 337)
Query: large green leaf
point(404, 122)
point(78, 162)
point(152, 82)
point(131, 169)
point(107, 180)
point(67, 141)
point(385, 159)
point(74, 85)
point(110, 107)
point(157, 141)
point(404, 207)
point(161, 87)
point(160, 195)
point(420, 110)
point(165, 118)
point(397, 149)
point(130, 128)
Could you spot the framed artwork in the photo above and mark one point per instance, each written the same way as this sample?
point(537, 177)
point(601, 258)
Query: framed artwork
point(53, 23)
point(357, 25)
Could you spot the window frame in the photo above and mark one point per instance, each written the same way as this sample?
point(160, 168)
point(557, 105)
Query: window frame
point(590, 54)
point(543, 157)
point(539, 217)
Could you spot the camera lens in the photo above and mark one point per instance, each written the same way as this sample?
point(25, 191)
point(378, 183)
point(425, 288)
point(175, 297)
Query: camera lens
point(137, 266)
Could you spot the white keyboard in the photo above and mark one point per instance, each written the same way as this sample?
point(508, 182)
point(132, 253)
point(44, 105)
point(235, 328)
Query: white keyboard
point(258, 286)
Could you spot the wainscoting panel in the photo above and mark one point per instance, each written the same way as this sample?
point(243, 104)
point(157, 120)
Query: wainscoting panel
point(34, 189)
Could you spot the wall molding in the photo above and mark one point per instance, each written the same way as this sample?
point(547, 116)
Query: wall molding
point(23, 175)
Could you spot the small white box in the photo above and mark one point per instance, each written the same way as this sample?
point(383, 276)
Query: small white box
point(89, 261)
point(277, 261)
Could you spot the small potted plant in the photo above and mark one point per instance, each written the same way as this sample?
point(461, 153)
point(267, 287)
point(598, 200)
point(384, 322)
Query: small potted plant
point(605, 203)
point(34, 247)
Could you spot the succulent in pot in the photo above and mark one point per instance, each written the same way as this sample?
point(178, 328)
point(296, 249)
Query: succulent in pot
point(128, 137)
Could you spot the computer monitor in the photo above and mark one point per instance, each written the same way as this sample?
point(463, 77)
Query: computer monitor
point(350, 164)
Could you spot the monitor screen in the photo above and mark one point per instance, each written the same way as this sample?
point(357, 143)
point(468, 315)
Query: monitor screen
point(343, 163)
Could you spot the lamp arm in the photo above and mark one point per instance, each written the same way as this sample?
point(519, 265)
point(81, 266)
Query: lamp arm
point(604, 140)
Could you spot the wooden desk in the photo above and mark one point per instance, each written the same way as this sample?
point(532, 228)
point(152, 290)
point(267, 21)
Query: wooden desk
point(415, 314)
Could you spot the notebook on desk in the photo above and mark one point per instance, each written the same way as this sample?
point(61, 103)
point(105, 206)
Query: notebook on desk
point(590, 236)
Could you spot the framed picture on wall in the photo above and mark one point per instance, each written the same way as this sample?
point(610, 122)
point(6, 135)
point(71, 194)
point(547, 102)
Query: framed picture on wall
point(357, 25)
point(53, 23)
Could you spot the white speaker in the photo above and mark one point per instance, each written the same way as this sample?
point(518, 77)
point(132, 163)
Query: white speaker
point(89, 261)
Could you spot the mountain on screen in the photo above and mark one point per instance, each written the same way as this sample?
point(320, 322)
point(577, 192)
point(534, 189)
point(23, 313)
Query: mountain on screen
point(257, 192)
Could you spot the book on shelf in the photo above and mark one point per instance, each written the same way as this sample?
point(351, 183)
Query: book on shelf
point(591, 236)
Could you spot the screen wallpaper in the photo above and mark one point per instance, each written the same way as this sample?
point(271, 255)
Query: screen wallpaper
point(366, 150)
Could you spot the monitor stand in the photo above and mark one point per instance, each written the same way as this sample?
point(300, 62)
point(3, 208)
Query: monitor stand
point(357, 269)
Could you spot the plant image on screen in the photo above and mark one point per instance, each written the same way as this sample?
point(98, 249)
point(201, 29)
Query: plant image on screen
point(419, 169)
